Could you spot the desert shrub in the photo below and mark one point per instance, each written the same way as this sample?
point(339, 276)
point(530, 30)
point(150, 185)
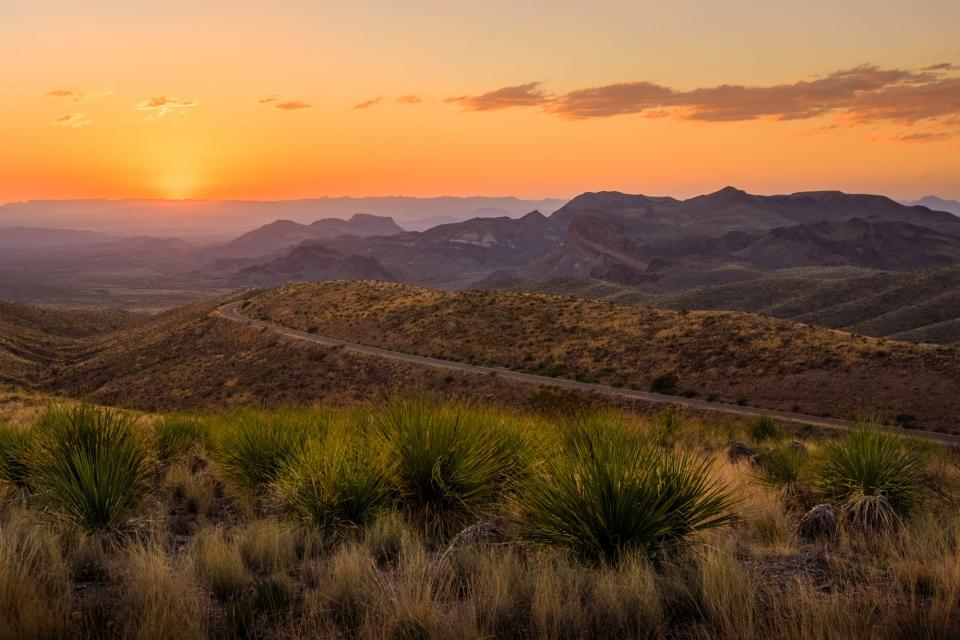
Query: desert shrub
point(763, 428)
point(15, 448)
point(177, 435)
point(339, 483)
point(664, 383)
point(34, 584)
point(255, 446)
point(196, 491)
point(218, 564)
point(267, 546)
point(667, 426)
point(92, 465)
point(785, 465)
point(872, 477)
point(164, 600)
point(611, 493)
point(450, 462)
point(273, 594)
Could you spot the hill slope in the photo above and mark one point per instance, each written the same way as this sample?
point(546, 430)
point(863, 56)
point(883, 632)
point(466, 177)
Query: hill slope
point(917, 306)
point(729, 356)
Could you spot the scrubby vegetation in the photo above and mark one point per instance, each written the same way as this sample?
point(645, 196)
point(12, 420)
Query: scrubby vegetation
point(420, 519)
point(718, 355)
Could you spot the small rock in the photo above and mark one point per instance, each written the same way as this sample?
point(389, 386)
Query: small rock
point(738, 450)
point(818, 523)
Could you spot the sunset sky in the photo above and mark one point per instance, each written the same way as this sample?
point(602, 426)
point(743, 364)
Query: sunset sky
point(536, 98)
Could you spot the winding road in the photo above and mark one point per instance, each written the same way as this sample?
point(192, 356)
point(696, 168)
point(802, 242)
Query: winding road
point(232, 312)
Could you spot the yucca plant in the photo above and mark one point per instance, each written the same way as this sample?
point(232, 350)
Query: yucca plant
point(783, 466)
point(449, 462)
point(15, 448)
point(256, 446)
point(339, 483)
point(92, 466)
point(872, 477)
point(610, 493)
point(176, 435)
point(763, 428)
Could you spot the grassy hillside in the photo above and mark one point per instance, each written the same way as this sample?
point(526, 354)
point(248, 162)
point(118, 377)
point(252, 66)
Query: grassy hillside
point(411, 519)
point(729, 356)
point(919, 306)
point(32, 338)
point(191, 358)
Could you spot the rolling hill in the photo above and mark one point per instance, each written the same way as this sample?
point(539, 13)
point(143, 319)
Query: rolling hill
point(729, 356)
point(915, 306)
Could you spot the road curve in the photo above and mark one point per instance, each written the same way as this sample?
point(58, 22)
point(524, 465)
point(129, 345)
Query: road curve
point(231, 311)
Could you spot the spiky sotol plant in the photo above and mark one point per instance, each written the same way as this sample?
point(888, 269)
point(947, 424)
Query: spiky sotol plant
point(177, 434)
point(449, 463)
point(874, 479)
point(92, 466)
point(16, 446)
point(256, 446)
point(339, 483)
point(610, 493)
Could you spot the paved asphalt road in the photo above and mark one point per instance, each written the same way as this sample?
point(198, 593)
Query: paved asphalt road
point(231, 311)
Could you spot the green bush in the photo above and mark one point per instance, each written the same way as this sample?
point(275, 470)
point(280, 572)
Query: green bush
point(92, 465)
point(665, 383)
point(610, 493)
point(340, 482)
point(784, 465)
point(872, 477)
point(15, 448)
point(763, 428)
point(668, 426)
point(450, 463)
point(256, 446)
point(176, 435)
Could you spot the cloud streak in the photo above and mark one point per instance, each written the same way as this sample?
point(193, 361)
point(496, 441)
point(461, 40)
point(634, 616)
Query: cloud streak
point(864, 94)
point(366, 104)
point(159, 106)
point(76, 95)
point(292, 105)
point(521, 95)
point(409, 99)
point(73, 120)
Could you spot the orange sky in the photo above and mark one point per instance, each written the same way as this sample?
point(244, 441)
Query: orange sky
point(258, 100)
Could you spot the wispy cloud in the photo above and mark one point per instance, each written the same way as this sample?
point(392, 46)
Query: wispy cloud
point(864, 94)
point(74, 120)
point(521, 95)
point(928, 136)
point(268, 100)
point(159, 106)
point(76, 95)
point(292, 105)
point(409, 99)
point(366, 104)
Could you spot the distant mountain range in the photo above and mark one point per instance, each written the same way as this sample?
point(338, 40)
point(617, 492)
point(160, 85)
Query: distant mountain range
point(669, 243)
point(938, 204)
point(719, 250)
point(215, 219)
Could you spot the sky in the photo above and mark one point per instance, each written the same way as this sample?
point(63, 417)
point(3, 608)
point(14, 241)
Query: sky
point(533, 98)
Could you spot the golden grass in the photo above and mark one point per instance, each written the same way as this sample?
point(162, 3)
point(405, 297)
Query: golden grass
point(263, 574)
point(726, 355)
